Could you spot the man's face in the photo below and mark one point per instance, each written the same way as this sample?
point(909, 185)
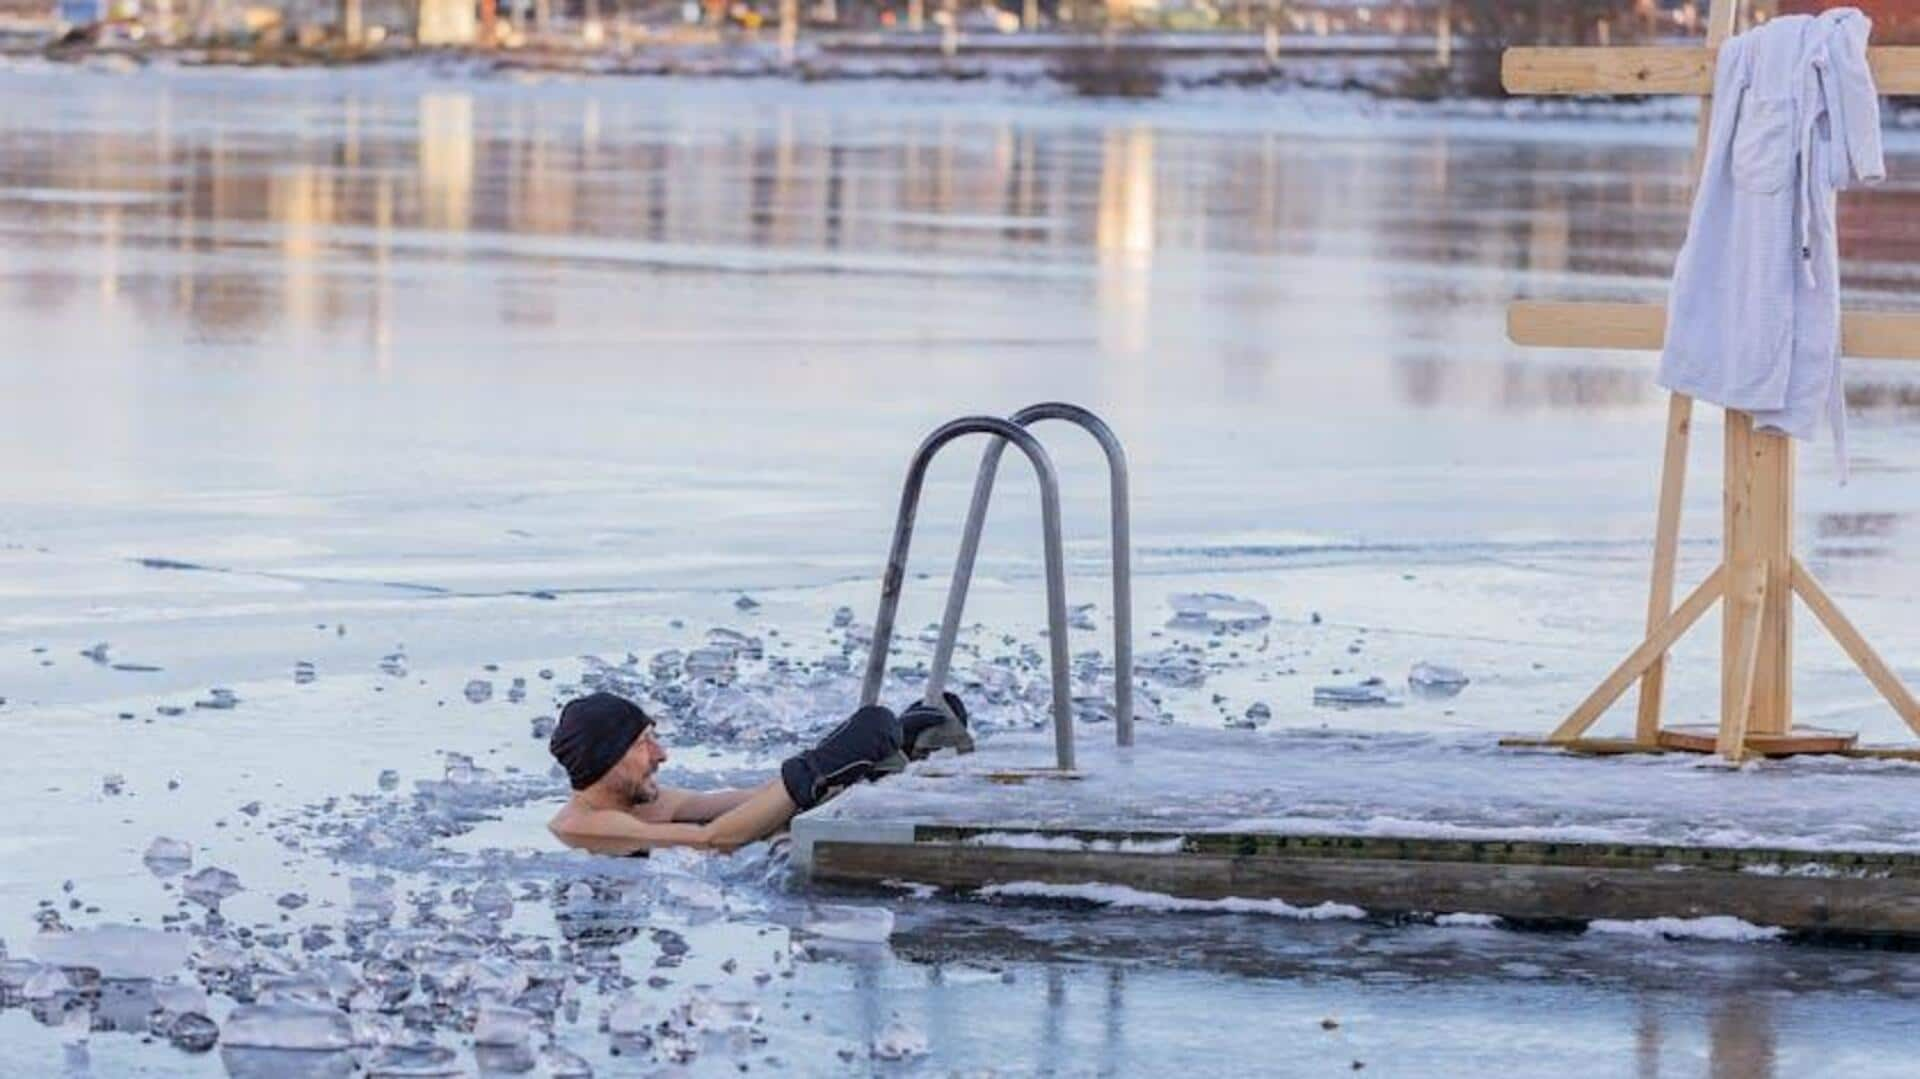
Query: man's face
point(636, 769)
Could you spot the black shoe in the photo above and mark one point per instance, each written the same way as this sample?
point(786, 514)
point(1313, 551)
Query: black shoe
point(925, 727)
point(866, 746)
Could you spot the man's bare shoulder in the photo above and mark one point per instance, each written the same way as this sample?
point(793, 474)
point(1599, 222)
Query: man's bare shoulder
point(660, 809)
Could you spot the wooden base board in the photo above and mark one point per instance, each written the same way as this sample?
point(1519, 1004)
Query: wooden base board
point(1615, 747)
point(1704, 737)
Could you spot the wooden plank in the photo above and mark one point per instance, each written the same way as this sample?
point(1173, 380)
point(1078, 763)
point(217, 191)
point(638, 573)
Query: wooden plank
point(1855, 646)
point(1531, 893)
point(1759, 534)
point(1740, 645)
point(1433, 849)
point(1666, 546)
point(1653, 647)
point(1867, 335)
point(1705, 738)
point(1681, 69)
point(1620, 747)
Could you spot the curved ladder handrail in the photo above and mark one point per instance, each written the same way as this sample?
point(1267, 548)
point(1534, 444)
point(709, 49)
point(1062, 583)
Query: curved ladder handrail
point(1122, 557)
point(1004, 431)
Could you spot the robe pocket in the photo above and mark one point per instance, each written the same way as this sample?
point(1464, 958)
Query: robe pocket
point(1763, 149)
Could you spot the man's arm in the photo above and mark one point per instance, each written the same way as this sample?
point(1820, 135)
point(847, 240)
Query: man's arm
point(699, 807)
point(610, 831)
point(762, 812)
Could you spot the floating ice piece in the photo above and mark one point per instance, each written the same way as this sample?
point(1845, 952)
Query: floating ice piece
point(719, 1015)
point(1094, 710)
point(1173, 667)
point(542, 727)
point(209, 886)
point(479, 691)
point(1257, 715)
point(303, 673)
point(15, 973)
point(414, 1062)
point(116, 951)
point(744, 647)
point(1216, 610)
point(371, 899)
point(492, 898)
point(667, 665)
point(899, 1041)
point(46, 983)
point(502, 1025)
point(219, 699)
point(1371, 693)
point(633, 1015)
point(395, 664)
point(192, 1032)
point(389, 779)
point(713, 664)
point(98, 653)
point(113, 783)
point(564, 1065)
point(289, 1025)
point(1434, 680)
point(745, 603)
point(1080, 616)
point(842, 617)
point(179, 998)
point(869, 925)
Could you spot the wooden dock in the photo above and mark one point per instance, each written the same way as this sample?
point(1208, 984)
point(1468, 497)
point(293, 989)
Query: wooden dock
point(1491, 846)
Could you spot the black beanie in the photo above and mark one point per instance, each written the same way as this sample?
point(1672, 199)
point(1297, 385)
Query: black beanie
point(594, 732)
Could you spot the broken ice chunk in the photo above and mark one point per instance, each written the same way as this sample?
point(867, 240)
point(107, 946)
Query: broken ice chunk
point(899, 1041)
point(192, 1032)
point(666, 665)
point(1257, 715)
point(713, 664)
point(219, 698)
point(493, 899)
point(745, 603)
point(479, 691)
point(1172, 667)
point(869, 925)
point(542, 727)
point(98, 653)
point(371, 899)
point(502, 1025)
point(113, 783)
point(303, 673)
point(1371, 693)
point(1216, 611)
point(116, 951)
point(209, 886)
point(289, 1025)
point(389, 779)
point(842, 617)
point(1434, 680)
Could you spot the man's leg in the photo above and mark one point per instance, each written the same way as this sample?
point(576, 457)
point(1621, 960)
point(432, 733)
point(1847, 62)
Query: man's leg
point(865, 745)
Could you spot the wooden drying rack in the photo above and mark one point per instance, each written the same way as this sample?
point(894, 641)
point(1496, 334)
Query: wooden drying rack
point(1758, 574)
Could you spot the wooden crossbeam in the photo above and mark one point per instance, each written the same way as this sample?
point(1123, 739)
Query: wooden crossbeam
point(1867, 335)
point(1855, 646)
point(1662, 70)
point(1655, 646)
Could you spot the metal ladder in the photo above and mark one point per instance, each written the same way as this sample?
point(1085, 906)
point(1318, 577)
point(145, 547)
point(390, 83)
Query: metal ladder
point(1014, 430)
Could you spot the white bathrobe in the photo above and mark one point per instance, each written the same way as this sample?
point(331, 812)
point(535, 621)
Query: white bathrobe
point(1753, 321)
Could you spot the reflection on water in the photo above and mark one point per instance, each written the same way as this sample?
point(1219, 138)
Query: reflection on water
point(294, 211)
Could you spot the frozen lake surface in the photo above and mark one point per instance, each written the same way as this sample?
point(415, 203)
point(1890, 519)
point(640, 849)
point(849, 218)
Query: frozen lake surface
point(341, 394)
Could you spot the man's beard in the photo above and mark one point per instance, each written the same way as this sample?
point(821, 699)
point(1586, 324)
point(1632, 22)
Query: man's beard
point(643, 792)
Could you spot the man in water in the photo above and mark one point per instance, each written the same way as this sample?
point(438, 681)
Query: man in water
point(607, 746)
